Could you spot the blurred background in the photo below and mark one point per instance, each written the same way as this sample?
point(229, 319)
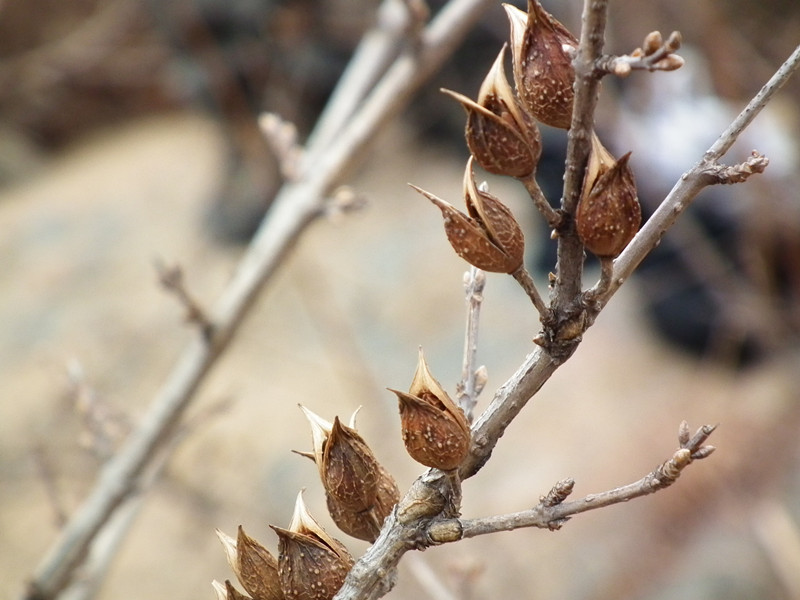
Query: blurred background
point(128, 136)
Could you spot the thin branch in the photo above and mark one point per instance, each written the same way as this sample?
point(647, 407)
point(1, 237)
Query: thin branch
point(693, 182)
point(171, 279)
point(553, 511)
point(658, 55)
point(469, 387)
point(550, 214)
point(524, 278)
point(296, 206)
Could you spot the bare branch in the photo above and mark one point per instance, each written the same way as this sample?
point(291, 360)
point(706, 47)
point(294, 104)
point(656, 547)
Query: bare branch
point(469, 387)
point(523, 277)
point(550, 214)
point(587, 83)
point(553, 510)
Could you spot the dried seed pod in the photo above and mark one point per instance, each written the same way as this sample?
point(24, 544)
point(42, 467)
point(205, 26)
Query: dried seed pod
point(255, 567)
point(311, 564)
point(360, 493)
point(489, 238)
point(500, 135)
point(608, 214)
point(435, 430)
point(543, 71)
point(258, 569)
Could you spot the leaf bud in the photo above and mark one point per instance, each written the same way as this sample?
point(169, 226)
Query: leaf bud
point(652, 42)
point(311, 564)
point(542, 57)
point(608, 214)
point(500, 135)
point(435, 430)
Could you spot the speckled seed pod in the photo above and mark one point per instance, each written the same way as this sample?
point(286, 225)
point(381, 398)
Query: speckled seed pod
point(435, 430)
point(543, 72)
point(311, 564)
point(608, 214)
point(503, 139)
point(360, 493)
point(489, 237)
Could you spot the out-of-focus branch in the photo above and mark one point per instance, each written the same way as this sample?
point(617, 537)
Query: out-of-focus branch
point(296, 206)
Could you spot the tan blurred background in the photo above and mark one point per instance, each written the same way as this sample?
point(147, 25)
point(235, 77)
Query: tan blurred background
point(128, 137)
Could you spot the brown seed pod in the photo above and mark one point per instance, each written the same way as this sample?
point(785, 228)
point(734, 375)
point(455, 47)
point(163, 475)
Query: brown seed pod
point(608, 214)
point(543, 74)
point(257, 569)
point(500, 135)
point(489, 238)
point(311, 564)
point(435, 430)
point(360, 493)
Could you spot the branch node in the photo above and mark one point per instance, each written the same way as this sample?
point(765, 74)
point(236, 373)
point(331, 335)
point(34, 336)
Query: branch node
point(443, 532)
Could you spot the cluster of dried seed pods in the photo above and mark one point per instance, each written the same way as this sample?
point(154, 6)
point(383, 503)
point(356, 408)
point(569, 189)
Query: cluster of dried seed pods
point(503, 138)
point(311, 565)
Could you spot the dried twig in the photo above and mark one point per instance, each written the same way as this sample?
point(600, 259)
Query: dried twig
point(472, 379)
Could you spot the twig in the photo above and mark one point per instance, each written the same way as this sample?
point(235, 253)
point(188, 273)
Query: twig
point(550, 214)
point(658, 58)
point(376, 50)
point(692, 182)
point(524, 278)
point(469, 387)
point(296, 206)
point(47, 475)
point(553, 511)
point(171, 279)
